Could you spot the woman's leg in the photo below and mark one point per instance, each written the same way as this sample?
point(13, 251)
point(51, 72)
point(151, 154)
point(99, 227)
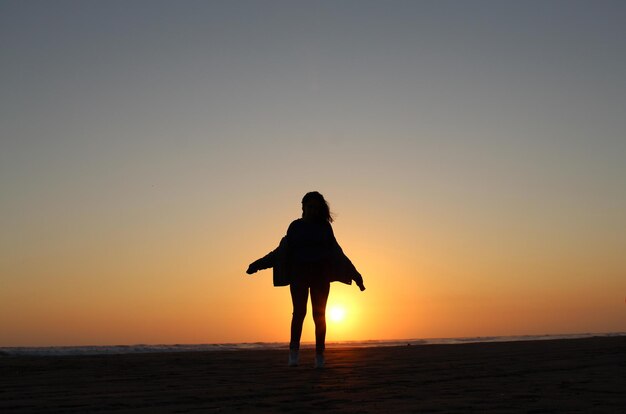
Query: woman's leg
point(299, 298)
point(319, 297)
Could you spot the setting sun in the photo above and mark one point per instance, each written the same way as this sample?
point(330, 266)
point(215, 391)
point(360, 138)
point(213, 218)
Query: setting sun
point(337, 314)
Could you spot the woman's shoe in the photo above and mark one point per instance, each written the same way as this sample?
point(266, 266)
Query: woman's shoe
point(293, 357)
point(319, 361)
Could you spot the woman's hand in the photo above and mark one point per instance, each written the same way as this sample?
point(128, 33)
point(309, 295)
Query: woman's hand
point(253, 268)
point(359, 281)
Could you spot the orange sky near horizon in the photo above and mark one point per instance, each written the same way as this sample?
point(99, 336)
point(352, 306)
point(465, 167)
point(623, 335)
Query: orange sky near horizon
point(420, 284)
point(473, 155)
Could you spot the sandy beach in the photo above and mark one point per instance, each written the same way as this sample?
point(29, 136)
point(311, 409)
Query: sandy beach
point(572, 376)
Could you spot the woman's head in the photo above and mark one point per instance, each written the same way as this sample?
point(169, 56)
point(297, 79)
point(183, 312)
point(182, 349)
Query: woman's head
point(315, 207)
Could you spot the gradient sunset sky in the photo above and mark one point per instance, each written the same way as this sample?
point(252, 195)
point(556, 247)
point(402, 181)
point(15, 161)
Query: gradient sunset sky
point(474, 153)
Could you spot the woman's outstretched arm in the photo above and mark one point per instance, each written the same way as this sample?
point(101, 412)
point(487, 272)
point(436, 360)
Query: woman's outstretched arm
point(346, 264)
point(264, 262)
point(269, 260)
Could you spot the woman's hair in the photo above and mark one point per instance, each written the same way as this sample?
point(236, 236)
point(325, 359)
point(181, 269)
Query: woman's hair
point(326, 215)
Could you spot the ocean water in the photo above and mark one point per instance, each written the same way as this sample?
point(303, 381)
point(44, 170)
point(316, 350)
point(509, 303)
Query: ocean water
point(142, 348)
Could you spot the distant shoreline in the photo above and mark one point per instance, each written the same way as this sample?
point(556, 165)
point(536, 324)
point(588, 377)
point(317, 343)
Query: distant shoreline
point(246, 346)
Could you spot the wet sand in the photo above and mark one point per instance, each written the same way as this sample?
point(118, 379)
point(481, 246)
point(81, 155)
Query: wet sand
point(557, 376)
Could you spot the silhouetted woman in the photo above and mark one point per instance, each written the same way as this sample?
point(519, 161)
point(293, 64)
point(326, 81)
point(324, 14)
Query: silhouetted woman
point(307, 259)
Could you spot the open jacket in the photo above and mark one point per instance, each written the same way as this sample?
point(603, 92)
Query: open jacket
point(340, 268)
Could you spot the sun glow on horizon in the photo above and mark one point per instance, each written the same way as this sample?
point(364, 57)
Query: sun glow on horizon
point(337, 313)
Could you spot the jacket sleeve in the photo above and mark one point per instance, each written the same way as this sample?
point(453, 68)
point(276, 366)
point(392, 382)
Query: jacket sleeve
point(267, 261)
point(274, 258)
point(342, 269)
